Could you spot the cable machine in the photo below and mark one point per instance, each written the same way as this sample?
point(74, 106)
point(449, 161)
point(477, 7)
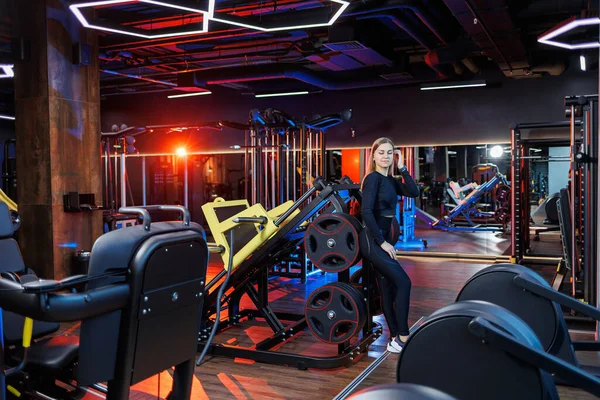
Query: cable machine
point(283, 156)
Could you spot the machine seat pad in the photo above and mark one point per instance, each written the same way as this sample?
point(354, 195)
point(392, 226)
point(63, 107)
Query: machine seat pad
point(53, 353)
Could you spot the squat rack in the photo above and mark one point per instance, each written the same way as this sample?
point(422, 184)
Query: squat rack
point(581, 247)
point(584, 216)
point(519, 179)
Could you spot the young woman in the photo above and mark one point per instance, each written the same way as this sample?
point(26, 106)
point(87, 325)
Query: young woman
point(380, 192)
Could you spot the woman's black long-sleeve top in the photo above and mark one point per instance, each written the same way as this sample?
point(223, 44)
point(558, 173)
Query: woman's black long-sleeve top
point(379, 198)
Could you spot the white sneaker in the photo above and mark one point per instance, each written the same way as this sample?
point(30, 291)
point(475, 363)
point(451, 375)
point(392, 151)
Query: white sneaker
point(395, 346)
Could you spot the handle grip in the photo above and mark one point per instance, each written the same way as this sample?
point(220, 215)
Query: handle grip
point(138, 211)
point(250, 220)
point(184, 211)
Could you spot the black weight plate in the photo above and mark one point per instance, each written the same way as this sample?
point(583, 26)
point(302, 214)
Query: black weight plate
point(335, 312)
point(375, 294)
point(357, 295)
point(503, 194)
point(331, 242)
point(502, 215)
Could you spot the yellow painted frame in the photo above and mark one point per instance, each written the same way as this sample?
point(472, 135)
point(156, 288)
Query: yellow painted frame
point(263, 232)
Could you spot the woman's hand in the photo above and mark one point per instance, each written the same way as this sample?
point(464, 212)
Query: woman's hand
point(388, 248)
point(400, 158)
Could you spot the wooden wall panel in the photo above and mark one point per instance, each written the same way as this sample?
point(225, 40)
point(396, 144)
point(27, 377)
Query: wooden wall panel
point(58, 136)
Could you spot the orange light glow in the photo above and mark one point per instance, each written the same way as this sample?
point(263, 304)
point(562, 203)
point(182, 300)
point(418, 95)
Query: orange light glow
point(181, 151)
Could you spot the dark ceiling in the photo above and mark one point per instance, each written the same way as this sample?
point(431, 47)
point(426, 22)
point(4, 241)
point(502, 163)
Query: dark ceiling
point(373, 43)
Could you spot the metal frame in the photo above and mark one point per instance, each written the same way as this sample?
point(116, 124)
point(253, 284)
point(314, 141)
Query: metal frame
point(254, 270)
point(468, 209)
point(582, 112)
point(520, 178)
point(273, 179)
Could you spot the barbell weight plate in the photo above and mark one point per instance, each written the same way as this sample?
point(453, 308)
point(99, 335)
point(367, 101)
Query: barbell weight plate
point(503, 194)
point(331, 242)
point(502, 215)
point(375, 294)
point(335, 312)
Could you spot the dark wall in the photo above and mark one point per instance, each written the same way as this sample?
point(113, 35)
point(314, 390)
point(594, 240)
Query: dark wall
point(408, 115)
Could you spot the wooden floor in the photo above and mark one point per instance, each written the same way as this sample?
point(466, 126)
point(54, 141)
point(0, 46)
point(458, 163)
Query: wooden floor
point(486, 243)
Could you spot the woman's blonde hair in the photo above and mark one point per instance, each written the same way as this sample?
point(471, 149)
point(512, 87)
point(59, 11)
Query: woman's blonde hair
point(374, 147)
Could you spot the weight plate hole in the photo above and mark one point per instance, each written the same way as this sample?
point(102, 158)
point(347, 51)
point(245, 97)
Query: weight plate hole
point(350, 241)
point(329, 225)
point(317, 325)
point(342, 330)
point(347, 304)
point(333, 260)
point(321, 299)
point(312, 243)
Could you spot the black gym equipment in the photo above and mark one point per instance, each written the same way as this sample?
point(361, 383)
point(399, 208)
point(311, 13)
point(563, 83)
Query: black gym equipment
point(566, 265)
point(551, 209)
point(282, 155)
point(335, 312)
point(139, 313)
point(582, 126)
point(475, 349)
point(525, 136)
point(331, 242)
point(584, 187)
point(403, 391)
point(526, 294)
point(251, 277)
point(356, 280)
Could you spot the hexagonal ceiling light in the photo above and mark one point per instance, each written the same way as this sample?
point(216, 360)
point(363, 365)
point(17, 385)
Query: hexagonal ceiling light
point(287, 20)
point(79, 10)
point(578, 40)
point(7, 71)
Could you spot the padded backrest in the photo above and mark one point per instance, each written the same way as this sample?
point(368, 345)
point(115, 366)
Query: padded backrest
point(115, 249)
point(10, 256)
point(6, 224)
point(119, 250)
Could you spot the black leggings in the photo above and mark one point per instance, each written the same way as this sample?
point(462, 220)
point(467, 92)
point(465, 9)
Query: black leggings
point(394, 284)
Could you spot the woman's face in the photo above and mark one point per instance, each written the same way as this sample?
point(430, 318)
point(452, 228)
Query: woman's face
point(384, 155)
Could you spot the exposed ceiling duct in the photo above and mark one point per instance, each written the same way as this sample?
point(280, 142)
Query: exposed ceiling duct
point(373, 43)
point(347, 56)
point(293, 71)
point(489, 24)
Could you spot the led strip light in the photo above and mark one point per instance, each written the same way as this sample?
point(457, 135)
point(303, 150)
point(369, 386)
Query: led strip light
point(8, 71)
point(571, 24)
point(344, 5)
point(208, 15)
point(76, 9)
